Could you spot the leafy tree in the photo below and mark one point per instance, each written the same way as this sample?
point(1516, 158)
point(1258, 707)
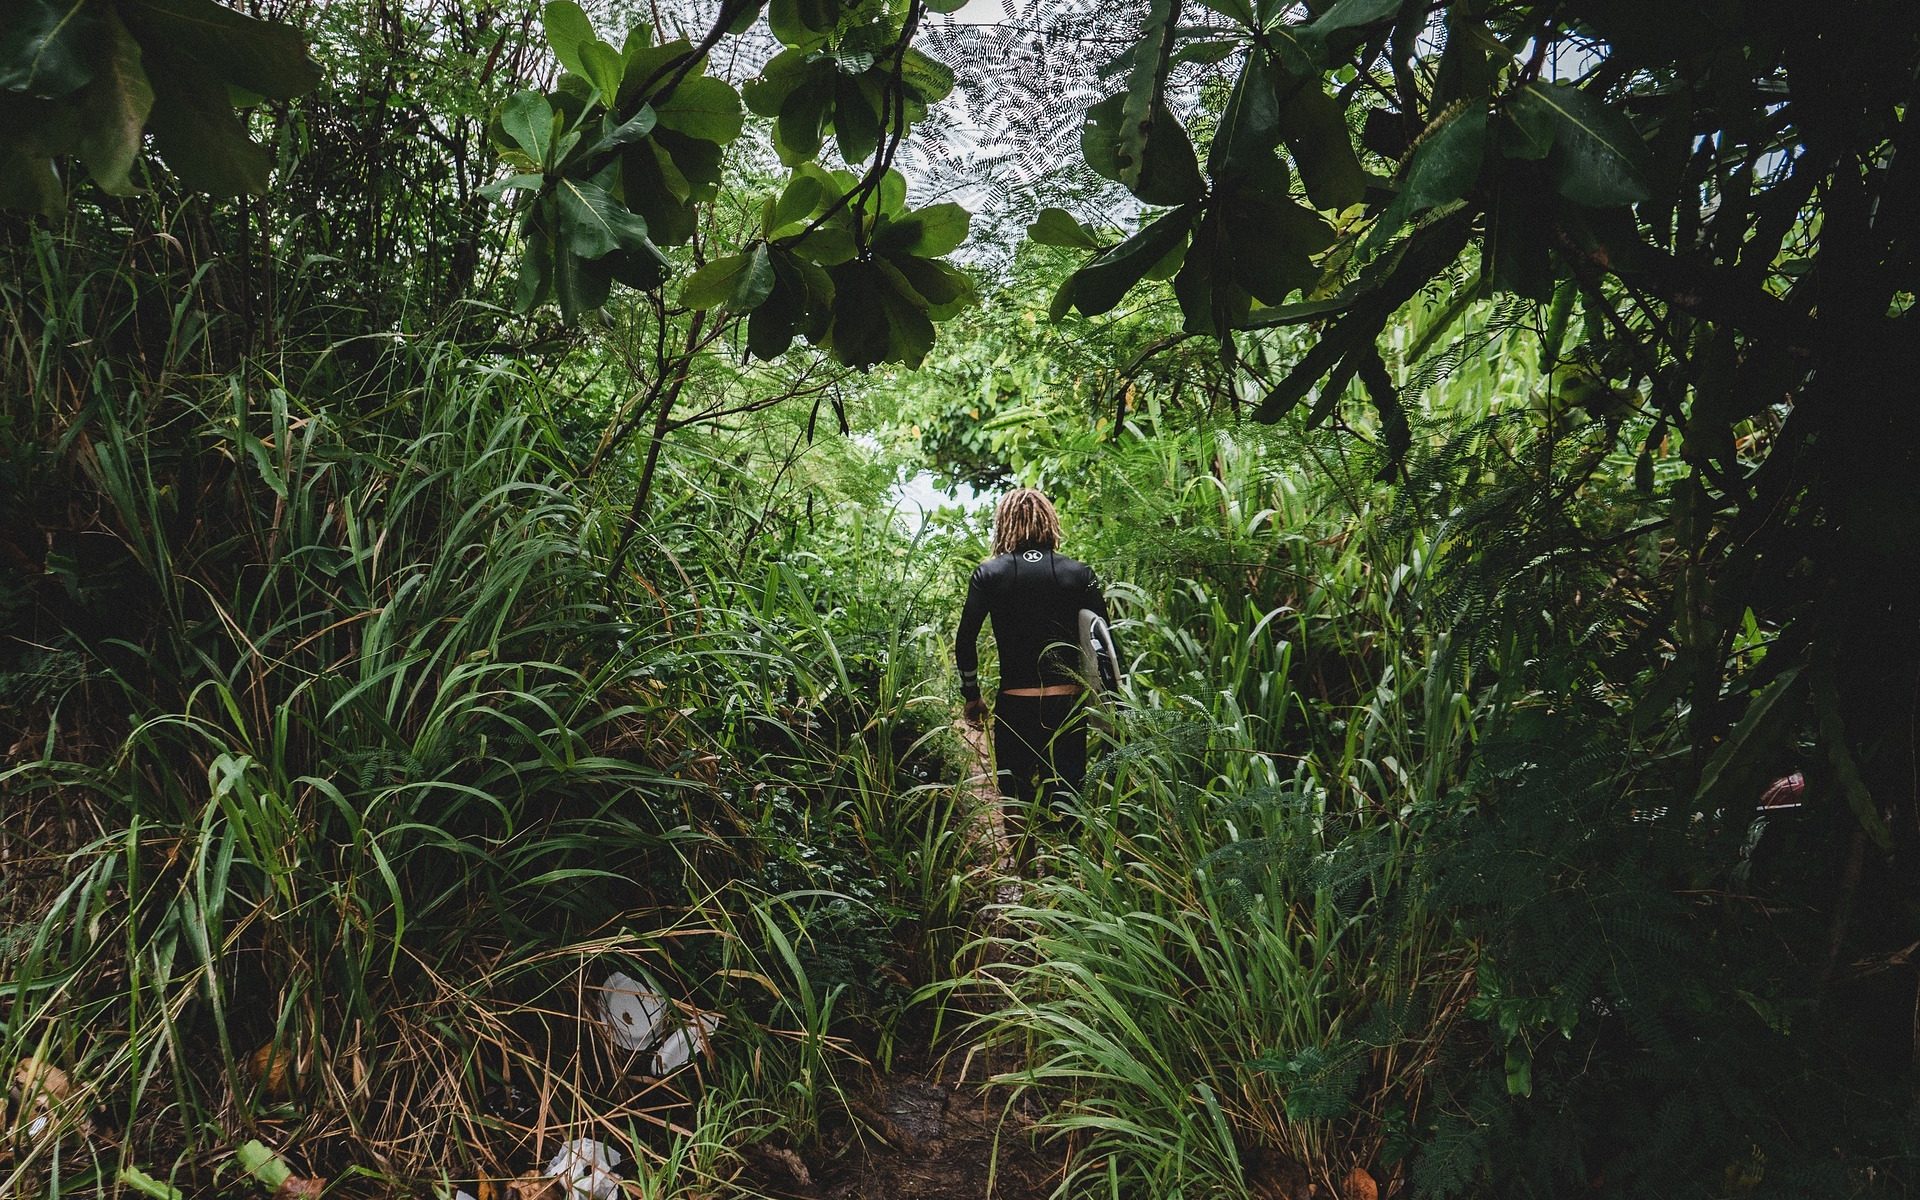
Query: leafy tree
point(1714, 208)
point(1710, 212)
point(618, 156)
point(87, 79)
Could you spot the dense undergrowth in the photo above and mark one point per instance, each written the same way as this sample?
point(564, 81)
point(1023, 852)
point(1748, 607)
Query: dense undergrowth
point(361, 721)
point(343, 775)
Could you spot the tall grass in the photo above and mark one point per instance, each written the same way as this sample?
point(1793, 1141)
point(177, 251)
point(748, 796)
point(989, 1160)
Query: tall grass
point(383, 775)
point(1232, 973)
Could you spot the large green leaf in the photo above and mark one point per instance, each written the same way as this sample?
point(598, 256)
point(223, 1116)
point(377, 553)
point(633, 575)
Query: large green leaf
point(1101, 137)
point(1305, 48)
point(926, 232)
point(830, 244)
point(1354, 14)
point(697, 160)
point(656, 189)
point(266, 58)
point(1208, 53)
point(771, 326)
point(813, 285)
point(646, 64)
point(593, 223)
point(802, 122)
point(891, 195)
point(1101, 284)
point(1269, 241)
point(801, 301)
point(513, 183)
point(802, 24)
point(945, 289)
point(641, 269)
point(926, 81)
point(200, 137)
point(1516, 250)
point(1207, 301)
point(1058, 227)
point(1140, 107)
point(527, 118)
point(1598, 158)
point(1314, 127)
point(748, 275)
point(1170, 174)
point(702, 107)
point(602, 66)
point(1446, 164)
point(785, 71)
point(45, 46)
point(754, 283)
point(856, 119)
point(877, 317)
point(535, 282)
point(1528, 131)
point(909, 327)
point(631, 130)
point(568, 30)
point(798, 201)
point(113, 109)
point(1240, 12)
point(1250, 124)
point(580, 285)
point(1442, 168)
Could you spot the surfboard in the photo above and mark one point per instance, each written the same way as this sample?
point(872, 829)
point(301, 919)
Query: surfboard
point(1099, 657)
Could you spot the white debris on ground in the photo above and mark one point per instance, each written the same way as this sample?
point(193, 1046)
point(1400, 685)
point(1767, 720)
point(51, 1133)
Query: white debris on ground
point(633, 1013)
point(675, 1052)
point(585, 1168)
point(635, 1017)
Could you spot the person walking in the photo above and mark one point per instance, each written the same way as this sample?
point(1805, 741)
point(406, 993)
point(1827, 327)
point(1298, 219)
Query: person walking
point(1033, 594)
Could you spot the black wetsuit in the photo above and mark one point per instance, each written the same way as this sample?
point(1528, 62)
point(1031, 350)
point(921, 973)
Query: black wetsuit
point(1034, 598)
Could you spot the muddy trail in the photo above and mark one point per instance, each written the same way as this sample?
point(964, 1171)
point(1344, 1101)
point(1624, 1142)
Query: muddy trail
point(938, 1129)
point(920, 1136)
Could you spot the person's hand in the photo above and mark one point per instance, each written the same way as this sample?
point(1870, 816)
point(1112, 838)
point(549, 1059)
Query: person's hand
point(976, 712)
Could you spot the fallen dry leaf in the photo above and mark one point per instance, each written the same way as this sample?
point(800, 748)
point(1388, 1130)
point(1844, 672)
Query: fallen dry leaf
point(1360, 1185)
point(33, 1078)
point(535, 1187)
point(38, 1089)
point(273, 1067)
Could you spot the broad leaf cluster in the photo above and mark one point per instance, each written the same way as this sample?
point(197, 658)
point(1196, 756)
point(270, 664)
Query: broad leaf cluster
point(866, 283)
point(613, 164)
point(1283, 223)
point(88, 79)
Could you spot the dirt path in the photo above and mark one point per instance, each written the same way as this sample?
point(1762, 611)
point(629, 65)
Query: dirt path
point(938, 1133)
point(926, 1138)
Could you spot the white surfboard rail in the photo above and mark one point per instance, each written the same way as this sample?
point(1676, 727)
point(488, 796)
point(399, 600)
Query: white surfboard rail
point(1099, 656)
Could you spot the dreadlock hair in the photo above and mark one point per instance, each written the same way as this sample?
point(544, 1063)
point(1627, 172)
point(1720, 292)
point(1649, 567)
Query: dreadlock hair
point(1025, 520)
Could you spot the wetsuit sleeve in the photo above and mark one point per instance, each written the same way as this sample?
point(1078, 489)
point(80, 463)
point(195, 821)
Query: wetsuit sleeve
point(966, 643)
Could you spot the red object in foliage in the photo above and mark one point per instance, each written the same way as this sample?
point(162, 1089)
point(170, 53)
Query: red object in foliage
point(1789, 791)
